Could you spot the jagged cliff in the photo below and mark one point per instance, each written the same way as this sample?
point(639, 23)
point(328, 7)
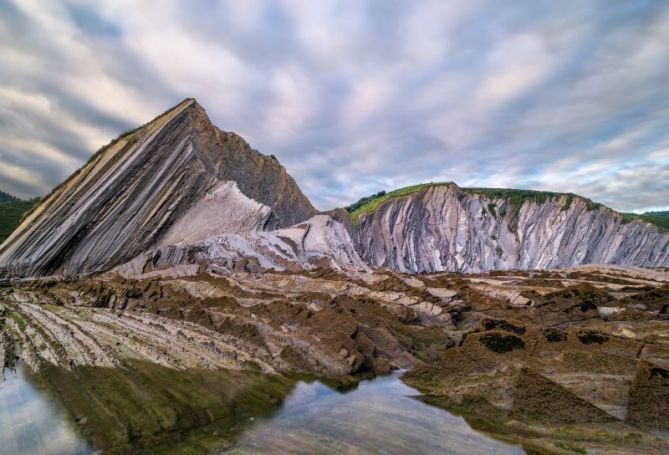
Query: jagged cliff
point(129, 195)
point(443, 227)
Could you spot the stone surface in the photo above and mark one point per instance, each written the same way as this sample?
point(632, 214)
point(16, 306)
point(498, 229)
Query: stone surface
point(442, 227)
point(125, 199)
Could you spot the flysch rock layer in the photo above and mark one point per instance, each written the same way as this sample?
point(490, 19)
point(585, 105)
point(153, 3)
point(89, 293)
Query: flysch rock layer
point(319, 242)
point(443, 228)
point(227, 231)
point(137, 189)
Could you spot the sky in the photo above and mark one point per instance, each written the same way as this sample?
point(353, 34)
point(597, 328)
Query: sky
point(354, 96)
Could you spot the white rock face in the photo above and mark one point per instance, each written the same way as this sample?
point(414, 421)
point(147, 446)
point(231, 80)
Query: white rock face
point(443, 228)
point(223, 209)
point(224, 232)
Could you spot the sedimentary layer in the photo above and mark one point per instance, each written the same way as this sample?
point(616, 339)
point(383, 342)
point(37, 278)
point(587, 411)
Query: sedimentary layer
point(125, 199)
point(572, 358)
point(443, 227)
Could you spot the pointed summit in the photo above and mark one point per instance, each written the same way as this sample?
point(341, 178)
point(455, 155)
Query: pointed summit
point(124, 199)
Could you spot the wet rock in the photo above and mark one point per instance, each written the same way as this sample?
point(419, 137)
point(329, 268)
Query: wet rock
point(648, 398)
point(592, 337)
point(538, 399)
point(554, 335)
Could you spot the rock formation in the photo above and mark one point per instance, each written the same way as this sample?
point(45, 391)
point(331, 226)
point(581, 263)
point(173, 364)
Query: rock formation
point(443, 227)
point(180, 192)
point(194, 263)
point(126, 198)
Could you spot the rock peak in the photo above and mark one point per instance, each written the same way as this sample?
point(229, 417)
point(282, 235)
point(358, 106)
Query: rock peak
point(122, 201)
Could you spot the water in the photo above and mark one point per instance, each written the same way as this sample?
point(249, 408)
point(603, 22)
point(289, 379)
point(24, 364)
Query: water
point(32, 424)
point(378, 417)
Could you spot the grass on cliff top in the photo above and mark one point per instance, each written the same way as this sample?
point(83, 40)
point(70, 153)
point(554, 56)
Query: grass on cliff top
point(11, 214)
point(519, 197)
point(515, 197)
point(370, 203)
point(659, 219)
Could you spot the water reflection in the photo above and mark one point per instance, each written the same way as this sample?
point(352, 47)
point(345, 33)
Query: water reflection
point(377, 417)
point(30, 423)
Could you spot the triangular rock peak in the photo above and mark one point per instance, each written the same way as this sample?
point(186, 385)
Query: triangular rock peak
point(127, 196)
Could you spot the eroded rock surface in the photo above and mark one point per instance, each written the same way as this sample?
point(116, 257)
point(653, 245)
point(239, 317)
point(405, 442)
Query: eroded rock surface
point(443, 228)
point(126, 198)
point(554, 372)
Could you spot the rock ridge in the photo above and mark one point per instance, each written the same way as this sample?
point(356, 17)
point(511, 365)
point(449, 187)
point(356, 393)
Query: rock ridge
point(446, 228)
point(127, 196)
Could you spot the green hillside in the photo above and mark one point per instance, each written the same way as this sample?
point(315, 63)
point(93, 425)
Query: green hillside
point(6, 197)
point(11, 213)
point(660, 219)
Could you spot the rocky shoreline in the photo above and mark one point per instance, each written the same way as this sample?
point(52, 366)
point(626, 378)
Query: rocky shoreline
point(560, 361)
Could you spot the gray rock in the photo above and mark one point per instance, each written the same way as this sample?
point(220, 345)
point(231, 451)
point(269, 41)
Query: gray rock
point(443, 228)
point(127, 196)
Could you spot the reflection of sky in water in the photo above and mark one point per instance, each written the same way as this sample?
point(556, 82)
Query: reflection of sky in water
point(377, 417)
point(30, 423)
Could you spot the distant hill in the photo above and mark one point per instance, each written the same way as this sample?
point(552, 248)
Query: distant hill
point(12, 211)
point(6, 197)
point(660, 219)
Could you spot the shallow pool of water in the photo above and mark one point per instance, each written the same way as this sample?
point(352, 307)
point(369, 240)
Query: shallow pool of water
point(30, 423)
point(378, 417)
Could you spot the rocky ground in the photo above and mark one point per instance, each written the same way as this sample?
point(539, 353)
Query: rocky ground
point(566, 361)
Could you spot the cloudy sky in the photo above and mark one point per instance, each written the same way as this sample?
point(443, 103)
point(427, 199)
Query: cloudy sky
point(354, 96)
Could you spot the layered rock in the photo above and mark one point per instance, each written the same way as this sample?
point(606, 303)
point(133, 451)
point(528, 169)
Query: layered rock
point(133, 193)
point(317, 243)
point(443, 227)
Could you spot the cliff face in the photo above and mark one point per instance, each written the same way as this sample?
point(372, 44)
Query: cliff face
point(225, 232)
point(126, 198)
point(442, 227)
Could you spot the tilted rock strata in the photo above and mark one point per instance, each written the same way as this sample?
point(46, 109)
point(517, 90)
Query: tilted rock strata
point(472, 350)
point(319, 242)
point(128, 195)
point(444, 228)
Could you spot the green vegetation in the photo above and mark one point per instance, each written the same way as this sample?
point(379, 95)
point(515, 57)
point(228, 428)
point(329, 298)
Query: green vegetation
point(370, 203)
point(492, 208)
point(659, 219)
point(19, 320)
point(499, 251)
point(362, 201)
point(11, 214)
point(515, 197)
point(567, 203)
point(6, 197)
point(147, 408)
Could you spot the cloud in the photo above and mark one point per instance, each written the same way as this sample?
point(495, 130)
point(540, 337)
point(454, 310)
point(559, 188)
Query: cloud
point(354, 96)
